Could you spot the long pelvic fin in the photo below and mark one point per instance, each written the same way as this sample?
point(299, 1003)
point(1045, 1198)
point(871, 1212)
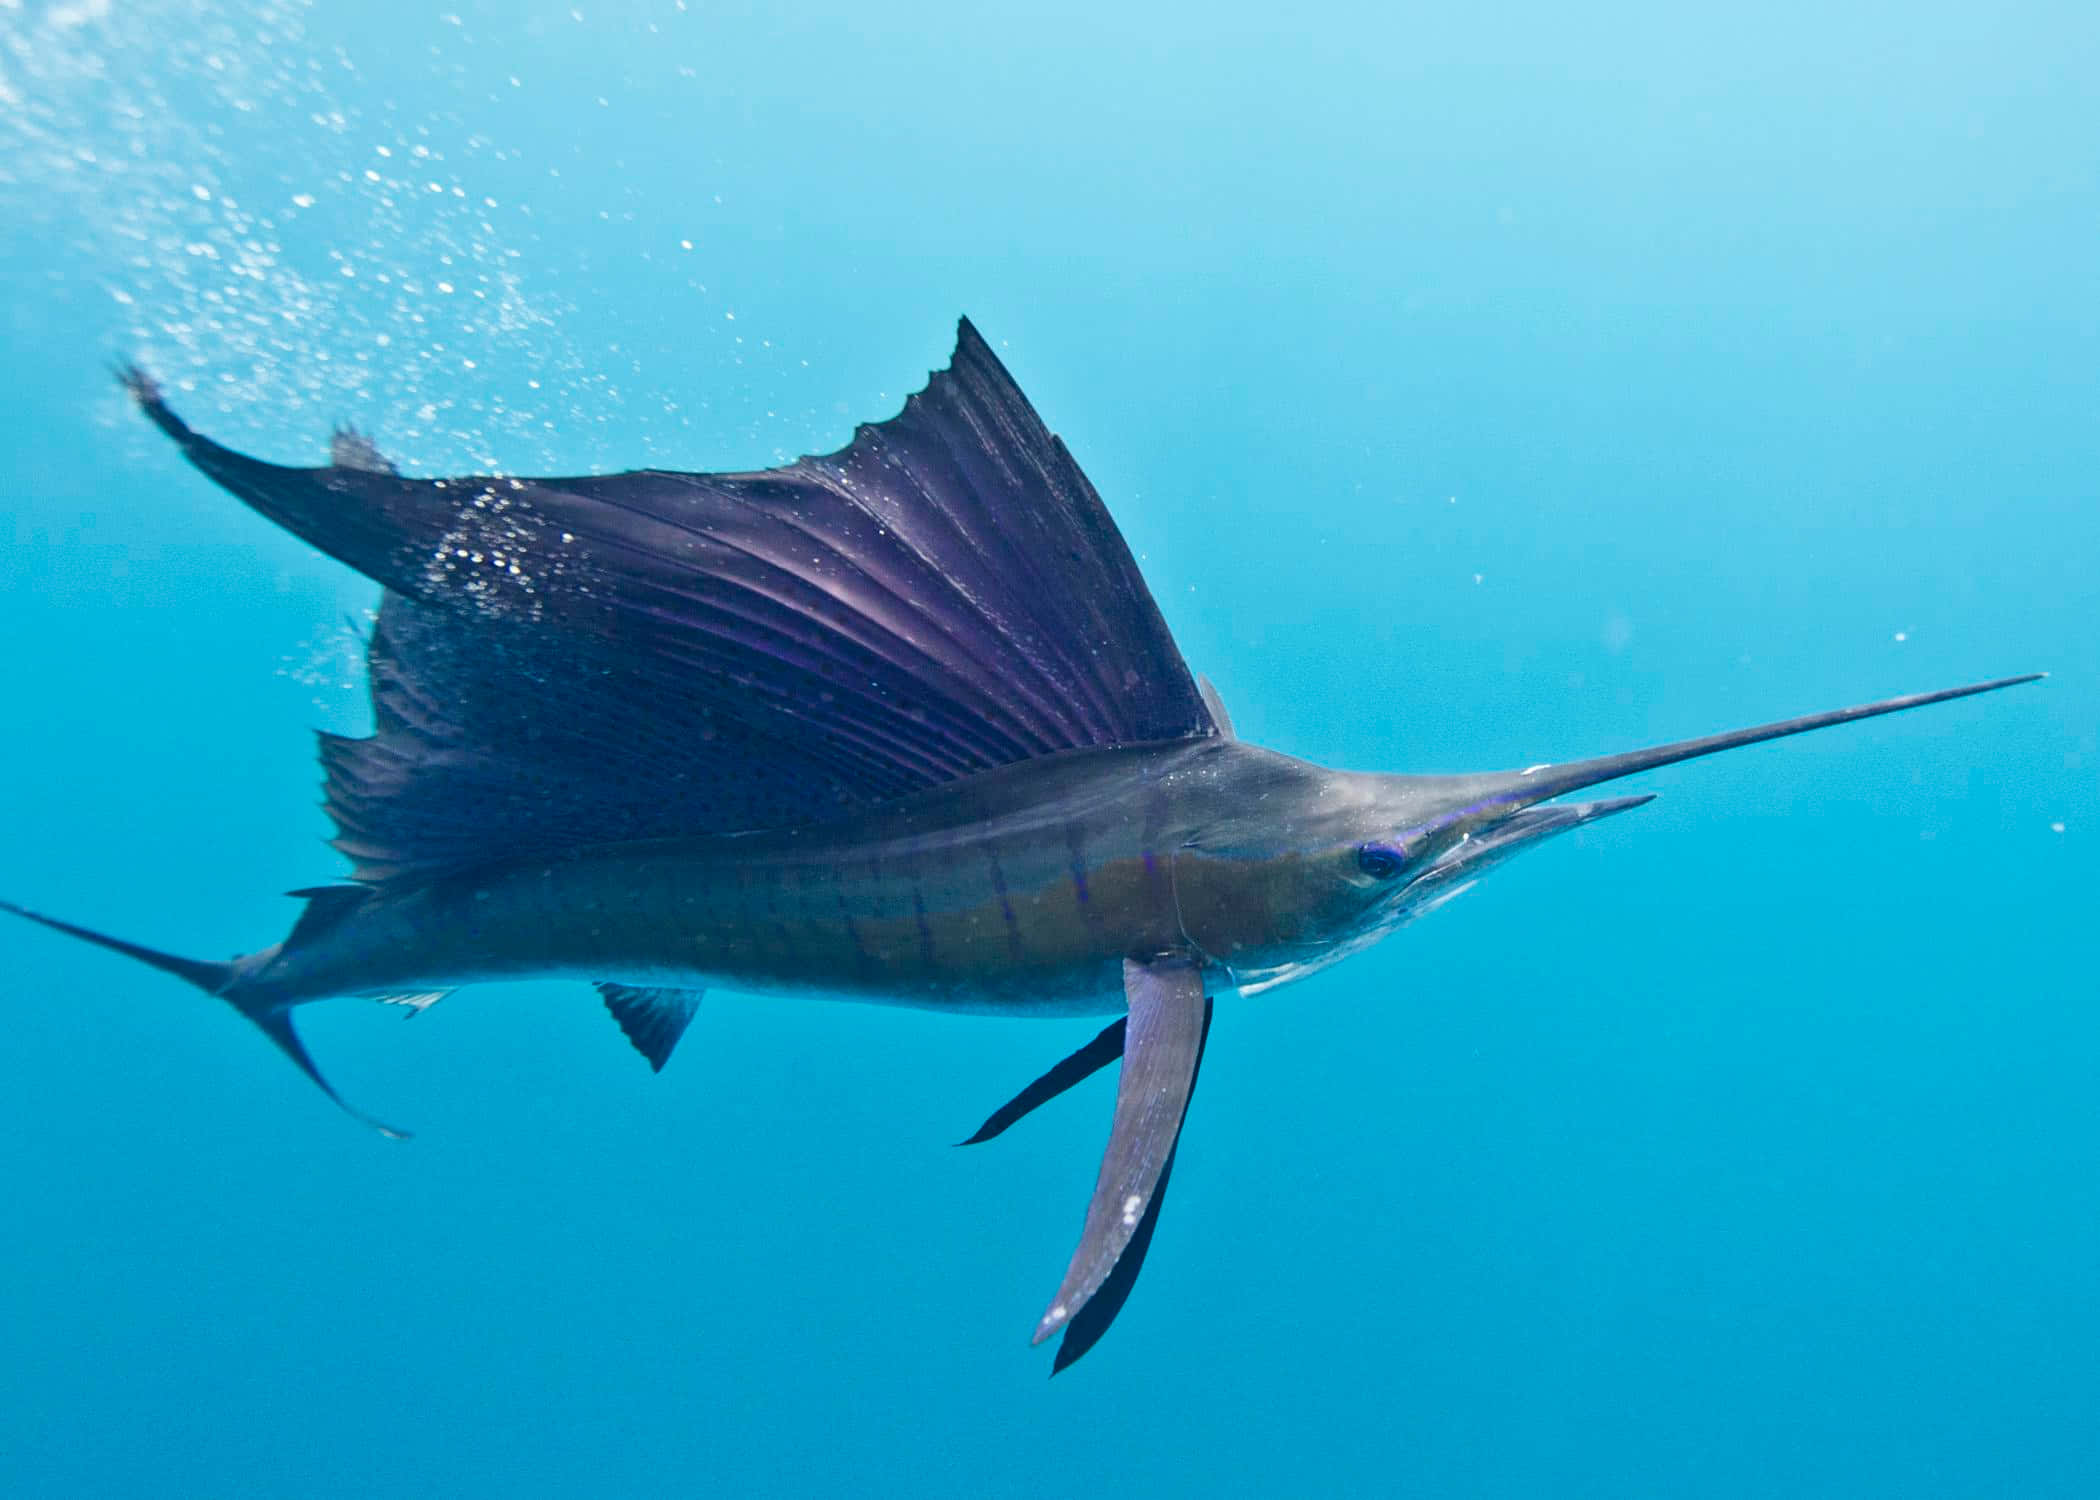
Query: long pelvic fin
point(1162, 1049)
point(1097, 1054)
point(1542, 782)
point(217, 978)
point(1091, 1322)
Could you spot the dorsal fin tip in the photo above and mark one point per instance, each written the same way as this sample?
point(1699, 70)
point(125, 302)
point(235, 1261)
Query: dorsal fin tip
point(351, 448)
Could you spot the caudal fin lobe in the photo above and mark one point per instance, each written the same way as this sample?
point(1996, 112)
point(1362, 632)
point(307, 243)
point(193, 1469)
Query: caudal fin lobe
point(218, 978)
point(207, 975)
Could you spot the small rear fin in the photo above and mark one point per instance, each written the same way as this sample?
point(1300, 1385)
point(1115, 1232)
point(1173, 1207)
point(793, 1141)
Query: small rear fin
point(326, 906)
point(653, 1017)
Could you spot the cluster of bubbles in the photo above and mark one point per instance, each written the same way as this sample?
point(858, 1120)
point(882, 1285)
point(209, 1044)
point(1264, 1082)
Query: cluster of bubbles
point(278, 241)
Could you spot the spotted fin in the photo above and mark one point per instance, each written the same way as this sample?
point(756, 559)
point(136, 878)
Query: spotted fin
point(1097, 1054)
point(659, 654)
point(1169, 1020)
point(653, 1018)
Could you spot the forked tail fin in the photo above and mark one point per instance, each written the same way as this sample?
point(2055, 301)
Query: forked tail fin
point(215, 978)
point(208, 976)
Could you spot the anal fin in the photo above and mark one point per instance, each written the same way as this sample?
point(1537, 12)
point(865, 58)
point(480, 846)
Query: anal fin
point(653, 1017)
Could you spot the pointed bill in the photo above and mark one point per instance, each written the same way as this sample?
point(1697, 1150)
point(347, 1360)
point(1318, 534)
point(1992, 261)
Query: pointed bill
point(1541, 782)
point(1163, 1045)
point(1484, 801)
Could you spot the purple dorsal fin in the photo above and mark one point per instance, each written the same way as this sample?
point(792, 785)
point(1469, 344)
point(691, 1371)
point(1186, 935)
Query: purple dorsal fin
point(654, 654)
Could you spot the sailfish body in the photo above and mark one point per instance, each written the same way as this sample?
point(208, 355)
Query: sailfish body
point(898, 724)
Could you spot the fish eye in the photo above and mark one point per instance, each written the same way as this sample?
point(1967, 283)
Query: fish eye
point(1379, 861)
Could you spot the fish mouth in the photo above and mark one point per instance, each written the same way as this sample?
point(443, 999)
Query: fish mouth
point(1546, 819)
point(1478, 851)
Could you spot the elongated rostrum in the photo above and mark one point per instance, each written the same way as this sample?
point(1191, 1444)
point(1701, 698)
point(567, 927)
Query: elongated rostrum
point(899, 724)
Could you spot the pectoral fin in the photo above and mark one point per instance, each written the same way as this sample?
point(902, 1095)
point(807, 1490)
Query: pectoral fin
point(1162, 1048)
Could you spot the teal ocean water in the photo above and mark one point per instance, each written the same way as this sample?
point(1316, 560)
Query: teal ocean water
point(1475, 389)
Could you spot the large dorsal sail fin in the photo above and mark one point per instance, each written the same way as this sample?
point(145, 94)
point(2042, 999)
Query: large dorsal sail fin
point(571, 660)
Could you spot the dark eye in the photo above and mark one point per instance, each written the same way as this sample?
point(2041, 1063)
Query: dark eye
point(1379, 861)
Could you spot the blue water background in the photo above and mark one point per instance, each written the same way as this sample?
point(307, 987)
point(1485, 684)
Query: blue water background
point(1476, 389)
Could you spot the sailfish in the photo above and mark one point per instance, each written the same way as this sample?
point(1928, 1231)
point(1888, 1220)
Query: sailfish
point(897, 724)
